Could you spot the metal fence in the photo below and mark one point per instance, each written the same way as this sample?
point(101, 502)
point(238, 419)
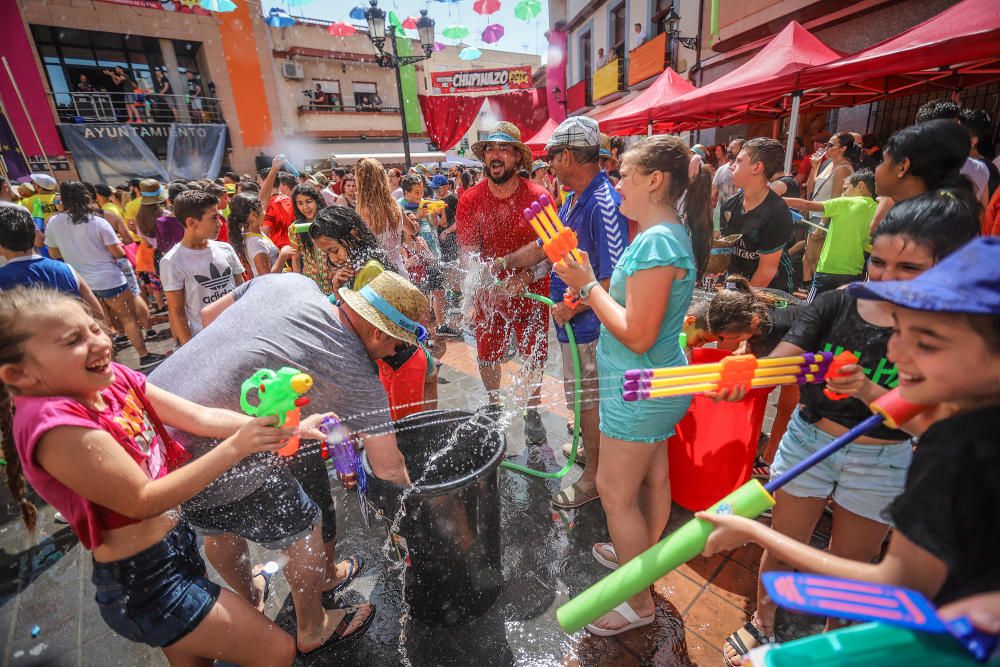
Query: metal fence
point(305, 108)
point(103, 107)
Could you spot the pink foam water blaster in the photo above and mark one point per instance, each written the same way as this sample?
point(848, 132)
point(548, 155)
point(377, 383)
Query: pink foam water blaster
point(345, 456)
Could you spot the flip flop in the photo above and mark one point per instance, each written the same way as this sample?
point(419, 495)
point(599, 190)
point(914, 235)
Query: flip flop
point(355, 565)
point(571, 498)
point(761, 469)
point(740, 647)
point(626, 611)
point(600, 558)
point(338, 637)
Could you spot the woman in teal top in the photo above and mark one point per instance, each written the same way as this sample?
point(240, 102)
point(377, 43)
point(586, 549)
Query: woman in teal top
point(641, 318)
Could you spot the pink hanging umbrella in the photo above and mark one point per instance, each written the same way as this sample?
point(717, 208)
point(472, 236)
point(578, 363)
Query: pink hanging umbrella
point(411, 22)
point(486, 7)
point(341, 29)
point(438, 46)
point(492, 33)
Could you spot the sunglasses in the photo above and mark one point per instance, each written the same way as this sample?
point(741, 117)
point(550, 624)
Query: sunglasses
point(552, 155)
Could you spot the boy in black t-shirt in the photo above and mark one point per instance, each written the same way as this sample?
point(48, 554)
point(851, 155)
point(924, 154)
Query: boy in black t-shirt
point(761, 216)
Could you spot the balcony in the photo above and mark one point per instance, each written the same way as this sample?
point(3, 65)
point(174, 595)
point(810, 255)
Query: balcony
point(102, 107)
point(338, 108)
point(609, 80)
point(578, 96)
point(648, 59)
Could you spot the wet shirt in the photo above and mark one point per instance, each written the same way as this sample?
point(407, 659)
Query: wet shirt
point(950, 505)
point(831, 323)
point(782, 316)
point(278, 319)
point(765, 230)
point(278, 216)
point(601, 232)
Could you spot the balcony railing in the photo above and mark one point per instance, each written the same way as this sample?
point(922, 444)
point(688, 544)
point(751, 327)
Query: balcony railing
point(578, 96)
point(102, 107)
point(609, 79)
point(648, 59)
point(339, 108)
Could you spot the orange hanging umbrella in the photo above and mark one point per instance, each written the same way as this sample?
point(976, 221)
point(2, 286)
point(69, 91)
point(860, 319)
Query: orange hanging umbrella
point(486, 7)
point(341, 29)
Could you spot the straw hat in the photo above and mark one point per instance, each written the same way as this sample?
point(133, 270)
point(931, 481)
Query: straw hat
point(538, 164)
point(151, 191)
point(503, 133)
point(391, 304)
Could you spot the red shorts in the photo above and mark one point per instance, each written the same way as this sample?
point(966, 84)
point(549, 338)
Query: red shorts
point(531, 327)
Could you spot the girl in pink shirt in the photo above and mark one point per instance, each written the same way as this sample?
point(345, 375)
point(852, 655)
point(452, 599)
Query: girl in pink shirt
point(86, 434)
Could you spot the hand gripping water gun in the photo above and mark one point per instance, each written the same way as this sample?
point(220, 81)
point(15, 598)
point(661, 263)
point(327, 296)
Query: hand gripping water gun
point(278, 393)
point(689, 540)
point(557, 240)
point(433, 205)
point(863, 601)
point(346, 460)
point(733, 371)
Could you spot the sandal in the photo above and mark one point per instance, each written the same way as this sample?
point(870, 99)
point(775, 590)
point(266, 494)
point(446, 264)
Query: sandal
point(338, 636)
point(741, 648)
point(761, 469)
point(581, 455)
point(572, 498)
point(602, 559)
point(626, 612)
point(355, 564)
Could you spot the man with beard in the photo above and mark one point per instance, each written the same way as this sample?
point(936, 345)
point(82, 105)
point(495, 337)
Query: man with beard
point(490, 224)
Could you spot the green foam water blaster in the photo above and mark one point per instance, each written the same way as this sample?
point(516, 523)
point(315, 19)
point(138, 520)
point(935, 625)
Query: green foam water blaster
point(666, 555)
point(301, 227)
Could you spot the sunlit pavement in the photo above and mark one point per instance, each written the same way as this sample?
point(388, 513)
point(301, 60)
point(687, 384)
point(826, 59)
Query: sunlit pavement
point(546, 559)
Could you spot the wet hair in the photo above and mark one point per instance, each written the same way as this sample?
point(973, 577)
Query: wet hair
point(411, 181)
point(937, 150)
point(852, 151)
point(174, 190)
point(669, 154)
point(466, 179)
point(938, 109)
point(942, 221)
point(17, 229)
point(193, 204)
point(345, 226)
point(977, 122)
point(103, 190)
point(866, 176)
point(768, 152)
point(732, 310)
point(76, 201)
point(16, 307)
point(286, 179)
point(374, 200)
point(240, 208)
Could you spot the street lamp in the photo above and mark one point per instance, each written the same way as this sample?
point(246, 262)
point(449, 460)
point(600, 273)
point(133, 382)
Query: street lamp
point(377, 34)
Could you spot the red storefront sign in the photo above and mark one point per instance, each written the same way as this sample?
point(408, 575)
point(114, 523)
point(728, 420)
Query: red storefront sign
point(475, 80)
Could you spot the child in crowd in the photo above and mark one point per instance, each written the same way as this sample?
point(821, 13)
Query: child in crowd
point(86, 433)
point(946, 346)
point(309, 260)
point(255, 250)
point(848, 238)
point(198, 270)
point(864, 477)
point(222, 194)
point(169, 228)
point(412, 201)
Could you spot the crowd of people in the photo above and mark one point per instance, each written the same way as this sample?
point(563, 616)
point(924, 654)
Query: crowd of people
point(357, 275)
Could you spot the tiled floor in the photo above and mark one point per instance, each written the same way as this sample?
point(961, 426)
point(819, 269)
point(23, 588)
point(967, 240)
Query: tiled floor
point(45, 582)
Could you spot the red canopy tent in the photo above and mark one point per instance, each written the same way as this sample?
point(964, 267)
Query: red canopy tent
point(633, 116)
point(753, 87)
point(537, 142)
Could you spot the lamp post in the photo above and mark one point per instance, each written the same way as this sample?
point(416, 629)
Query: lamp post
point(673, 23)
point(377, 34)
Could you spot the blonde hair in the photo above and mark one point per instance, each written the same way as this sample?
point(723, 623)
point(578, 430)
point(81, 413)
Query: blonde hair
point(375, 204)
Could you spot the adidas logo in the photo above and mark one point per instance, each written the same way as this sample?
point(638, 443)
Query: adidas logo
point(216, 280)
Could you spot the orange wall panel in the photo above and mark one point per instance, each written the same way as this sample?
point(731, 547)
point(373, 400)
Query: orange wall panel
point(240, 47)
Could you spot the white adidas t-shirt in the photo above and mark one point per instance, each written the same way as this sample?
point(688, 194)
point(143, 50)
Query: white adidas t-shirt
point(205, 275)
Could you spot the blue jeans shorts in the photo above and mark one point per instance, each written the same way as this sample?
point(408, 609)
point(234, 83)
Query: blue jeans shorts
point(863, 479)
point(160, 594)
point(108, 294)
point(129, 273)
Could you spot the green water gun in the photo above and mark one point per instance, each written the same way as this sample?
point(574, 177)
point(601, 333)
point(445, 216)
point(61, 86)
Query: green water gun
point(278, 393)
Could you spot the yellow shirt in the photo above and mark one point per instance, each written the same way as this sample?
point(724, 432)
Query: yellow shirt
point(131, 213)
point(112, 207)
point(46, 202)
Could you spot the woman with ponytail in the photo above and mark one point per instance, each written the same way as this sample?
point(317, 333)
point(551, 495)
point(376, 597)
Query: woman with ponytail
point(642, 313)
point(255, 250)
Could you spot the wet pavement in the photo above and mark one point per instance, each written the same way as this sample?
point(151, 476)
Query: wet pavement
point(45, 584)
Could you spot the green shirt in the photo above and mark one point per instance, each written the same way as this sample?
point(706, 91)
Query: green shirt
point(848, 237)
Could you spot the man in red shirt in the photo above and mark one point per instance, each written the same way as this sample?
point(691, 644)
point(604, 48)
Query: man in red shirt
point(490, 224)
point(279, 214)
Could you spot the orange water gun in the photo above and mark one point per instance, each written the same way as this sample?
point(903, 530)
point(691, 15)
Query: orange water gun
point(557, 239)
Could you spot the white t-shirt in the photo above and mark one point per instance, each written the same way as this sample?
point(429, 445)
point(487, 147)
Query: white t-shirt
point(206, 275)
point(329, 196)
point(10, 204)
point(84, 246)
point(978, 173)
point(257, 244)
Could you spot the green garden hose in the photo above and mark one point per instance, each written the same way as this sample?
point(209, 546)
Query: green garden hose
point(576, 404)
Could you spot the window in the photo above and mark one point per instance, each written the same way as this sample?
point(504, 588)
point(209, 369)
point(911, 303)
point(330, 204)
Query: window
point(366, 96)
point(325, 94)
point(660, 9)
point(618, 32)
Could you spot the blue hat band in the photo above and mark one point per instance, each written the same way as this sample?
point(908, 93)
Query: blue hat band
point(390, 311)
point(155, 193)
point(501, 136)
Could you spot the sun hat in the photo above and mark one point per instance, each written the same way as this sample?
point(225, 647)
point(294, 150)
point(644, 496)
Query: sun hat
point(503, 132)
point(575, 132)
point(605, 146)
point(391, 304)
point(151, 191)
point(966, 281)
point(538, 164)
point(700, 150)
point(321, 178)
point(44, 181)
point(25, 190)
point(439, 181)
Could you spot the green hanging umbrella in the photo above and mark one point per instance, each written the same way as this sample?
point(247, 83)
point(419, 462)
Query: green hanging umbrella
point(527, 10)
point(395, 22)
point(455, 31)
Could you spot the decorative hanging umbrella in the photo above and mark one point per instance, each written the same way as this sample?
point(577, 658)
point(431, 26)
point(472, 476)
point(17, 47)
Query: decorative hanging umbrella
point(492, 33)
point(358, 14)
point(486, 7)
point(438, 46)
point(455, 31)
point(447, 2)
point(527, 10)
point(410, 22)
point(394, 21)
point(297, 3)
point(469, 53)
point(279, 18)
point(217, 5)
point(341, 29)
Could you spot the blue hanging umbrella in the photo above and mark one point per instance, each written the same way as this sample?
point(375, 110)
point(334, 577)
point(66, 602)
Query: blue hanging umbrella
point(279, 18)
point(217, 5)
point(358, 14)
point(469, 53)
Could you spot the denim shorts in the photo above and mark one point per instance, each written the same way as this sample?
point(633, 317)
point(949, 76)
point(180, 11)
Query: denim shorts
point(863, 479)
point(129, 273)
point(108, 294)
point(160, 594)
point(274, 516)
